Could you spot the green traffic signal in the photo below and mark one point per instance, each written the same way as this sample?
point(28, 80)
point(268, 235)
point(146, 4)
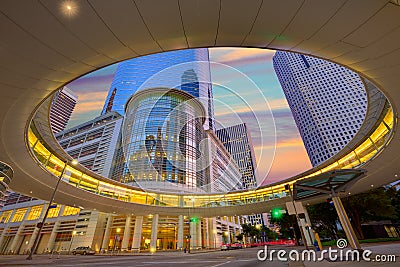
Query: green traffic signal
point(276, 213)
point(194, 220)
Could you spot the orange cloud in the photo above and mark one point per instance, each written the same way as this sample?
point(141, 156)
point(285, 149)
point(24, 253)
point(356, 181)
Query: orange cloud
point(91, 101)
point(236, 53)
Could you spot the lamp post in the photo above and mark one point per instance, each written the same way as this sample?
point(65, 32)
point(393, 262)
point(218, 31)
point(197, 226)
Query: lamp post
point(40, 225)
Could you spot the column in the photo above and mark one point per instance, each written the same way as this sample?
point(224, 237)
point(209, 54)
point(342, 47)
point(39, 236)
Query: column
point(207, 234)
point(198, 234)
point(212, 232)
point(154, 230)
point(137, 233)
point(36, 229)
point(180, 232)
point(234, 228)
point(345, 222)
point(193, 235)
point(127, 233)
point(106, 237)
point(310, 232)
point(18, 234)
point(3, 234)
point(16, 238)
point(53, 235)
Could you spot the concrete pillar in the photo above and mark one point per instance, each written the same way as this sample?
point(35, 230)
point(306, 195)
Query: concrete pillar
point(345, 222)
point(36, 229)
point(154, 230)
point(127, 234)
point(309, 231)
point(193, 234)
point(212, 232)
point(17, 236)
point(198, 233)
point(53, 235)
point(16, 239)
point(180, 232)
point(106, 237)
point(137, 233)
point(3, 234)
point(207, 234)
point(234, 228)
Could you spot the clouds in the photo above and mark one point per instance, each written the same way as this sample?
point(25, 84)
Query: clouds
point(241, 94)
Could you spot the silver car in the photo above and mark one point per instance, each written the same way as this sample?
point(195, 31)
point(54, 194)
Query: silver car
point(83, 251)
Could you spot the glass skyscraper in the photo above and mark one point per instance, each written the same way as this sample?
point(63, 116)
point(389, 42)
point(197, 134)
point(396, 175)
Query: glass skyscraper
point(187, 70)
point(328, 102)
point(161, 136)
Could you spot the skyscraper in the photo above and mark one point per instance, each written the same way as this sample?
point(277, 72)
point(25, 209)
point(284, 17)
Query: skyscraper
point(93, 143)
point(237, 141)
point(63, 104)
point(187, 70)
point(328, 102)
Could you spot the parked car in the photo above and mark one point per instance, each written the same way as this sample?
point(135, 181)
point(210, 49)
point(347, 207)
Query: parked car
point(225, 247)
point(236, 246)
point(83, 251)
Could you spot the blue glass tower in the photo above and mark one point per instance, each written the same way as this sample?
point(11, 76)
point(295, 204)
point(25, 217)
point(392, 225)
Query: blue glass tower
point(187, 70)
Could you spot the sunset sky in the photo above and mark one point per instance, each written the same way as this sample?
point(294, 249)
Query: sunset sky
point(245, 89)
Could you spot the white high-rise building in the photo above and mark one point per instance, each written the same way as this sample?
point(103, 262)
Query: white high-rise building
point(328, 102)
point(63, 104)
point(93, 143)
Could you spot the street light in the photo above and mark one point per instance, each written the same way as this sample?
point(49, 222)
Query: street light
point(40, 225)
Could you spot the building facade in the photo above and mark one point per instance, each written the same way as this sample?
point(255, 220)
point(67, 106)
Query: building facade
point(224, 174)
point(161, 139)
point(93, 143)
point(63, 104)
point(188, 70)
point(237, 141)
point(328, 102)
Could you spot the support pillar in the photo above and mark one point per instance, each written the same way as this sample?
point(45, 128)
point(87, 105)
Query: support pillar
point(53, 235)
point(16, 239)
point(345, 222)
point(198, 234)
point(234, 228)
point(137, 233)
point(193, 234)
point(310, 232)
point(180, 232)
point(127, 234)
point(106, 237)
point(154, 230)
point(212, 232)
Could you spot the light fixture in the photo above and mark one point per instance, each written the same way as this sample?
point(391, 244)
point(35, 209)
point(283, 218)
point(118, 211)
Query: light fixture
point(74, 162)
point(372, 185)
point(395, 175)
point(118, 230)
point(69, 8)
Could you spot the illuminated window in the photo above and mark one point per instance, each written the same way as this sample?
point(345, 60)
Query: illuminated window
point(5, 216)
point(54, 212)
point(19, 215)
point(70, 211)
point(34, 213)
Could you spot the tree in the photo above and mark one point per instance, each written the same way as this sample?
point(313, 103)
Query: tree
point(324, 219)
point(374, 205)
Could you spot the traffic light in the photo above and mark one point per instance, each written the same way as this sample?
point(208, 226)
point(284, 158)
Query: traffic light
point(276, 213)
